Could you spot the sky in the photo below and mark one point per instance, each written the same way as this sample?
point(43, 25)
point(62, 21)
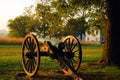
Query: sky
point(9, 9)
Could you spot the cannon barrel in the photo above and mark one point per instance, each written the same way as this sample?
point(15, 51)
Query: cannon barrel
point(54, 42)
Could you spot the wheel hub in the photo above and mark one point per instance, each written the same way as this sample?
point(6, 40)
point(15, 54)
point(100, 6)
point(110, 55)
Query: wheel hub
point(30, 54)
point(69, 55)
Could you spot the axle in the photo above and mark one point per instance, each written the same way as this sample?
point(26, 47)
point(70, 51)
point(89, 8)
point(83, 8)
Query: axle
point(49, 50)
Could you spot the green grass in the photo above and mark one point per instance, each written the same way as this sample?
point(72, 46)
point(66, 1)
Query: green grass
point(11, 67)
point(91, 53)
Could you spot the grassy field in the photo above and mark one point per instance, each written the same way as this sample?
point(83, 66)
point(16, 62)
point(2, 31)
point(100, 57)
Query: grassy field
point(11, 68)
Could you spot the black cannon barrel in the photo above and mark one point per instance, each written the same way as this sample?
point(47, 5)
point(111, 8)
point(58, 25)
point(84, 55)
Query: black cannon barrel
point(54, 42)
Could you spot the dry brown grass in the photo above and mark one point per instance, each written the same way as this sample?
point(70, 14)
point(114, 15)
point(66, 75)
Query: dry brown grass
point(11, 40)
point(20, 40)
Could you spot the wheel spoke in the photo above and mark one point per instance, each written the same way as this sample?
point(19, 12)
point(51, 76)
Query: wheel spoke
point(27, 62)
point(33, 64)
point(76, 51)
point(27, 45)
point(31, 44)
point(76, 57)
point(66, 45)
point(69, 44)
point(34, 46)
point(71, 63)
point(24, 55)
point(28, 66)
point(35, 54)
point(34, 61)
point(74, 60)
point(28, 41)
point(74, 46)
point(72, 43)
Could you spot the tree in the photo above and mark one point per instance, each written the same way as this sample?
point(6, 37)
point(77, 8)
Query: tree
point(113, 52)
point(29, 11)
point(55, 24)
point(63, 8)
point(18, 26)
point(76, 26)
point(92, 10)
point(33, 26)
point(50, 20)
point(41, 12)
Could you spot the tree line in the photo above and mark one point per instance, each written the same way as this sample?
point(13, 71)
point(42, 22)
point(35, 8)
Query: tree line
point(55, 18)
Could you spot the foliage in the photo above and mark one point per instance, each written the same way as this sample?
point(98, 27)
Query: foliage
point(97, 16)
point(50, 20)
point(54, 18)
point(41, 13)
point(93, 11)
point(76, 26)
point(18, 26)
point(55, 24)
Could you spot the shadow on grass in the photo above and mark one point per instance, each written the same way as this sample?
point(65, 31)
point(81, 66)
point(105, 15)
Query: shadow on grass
point(57, 76)
point(61, 76)
point(1, 72)
point(93, 76)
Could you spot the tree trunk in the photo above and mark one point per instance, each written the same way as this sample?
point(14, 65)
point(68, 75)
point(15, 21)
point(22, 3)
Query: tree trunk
point(105, 56)
point(114, 51)
point(112, 43)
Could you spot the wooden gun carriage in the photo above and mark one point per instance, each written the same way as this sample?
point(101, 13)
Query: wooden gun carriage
point(68, 54)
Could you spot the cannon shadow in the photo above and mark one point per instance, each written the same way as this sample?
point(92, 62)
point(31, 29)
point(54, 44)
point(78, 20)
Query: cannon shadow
point(60, 76)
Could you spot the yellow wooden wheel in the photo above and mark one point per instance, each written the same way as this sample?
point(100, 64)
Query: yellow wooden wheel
point(74, 51)
point(30, 55)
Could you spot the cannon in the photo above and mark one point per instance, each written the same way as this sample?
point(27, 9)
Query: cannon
point(68, 54)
